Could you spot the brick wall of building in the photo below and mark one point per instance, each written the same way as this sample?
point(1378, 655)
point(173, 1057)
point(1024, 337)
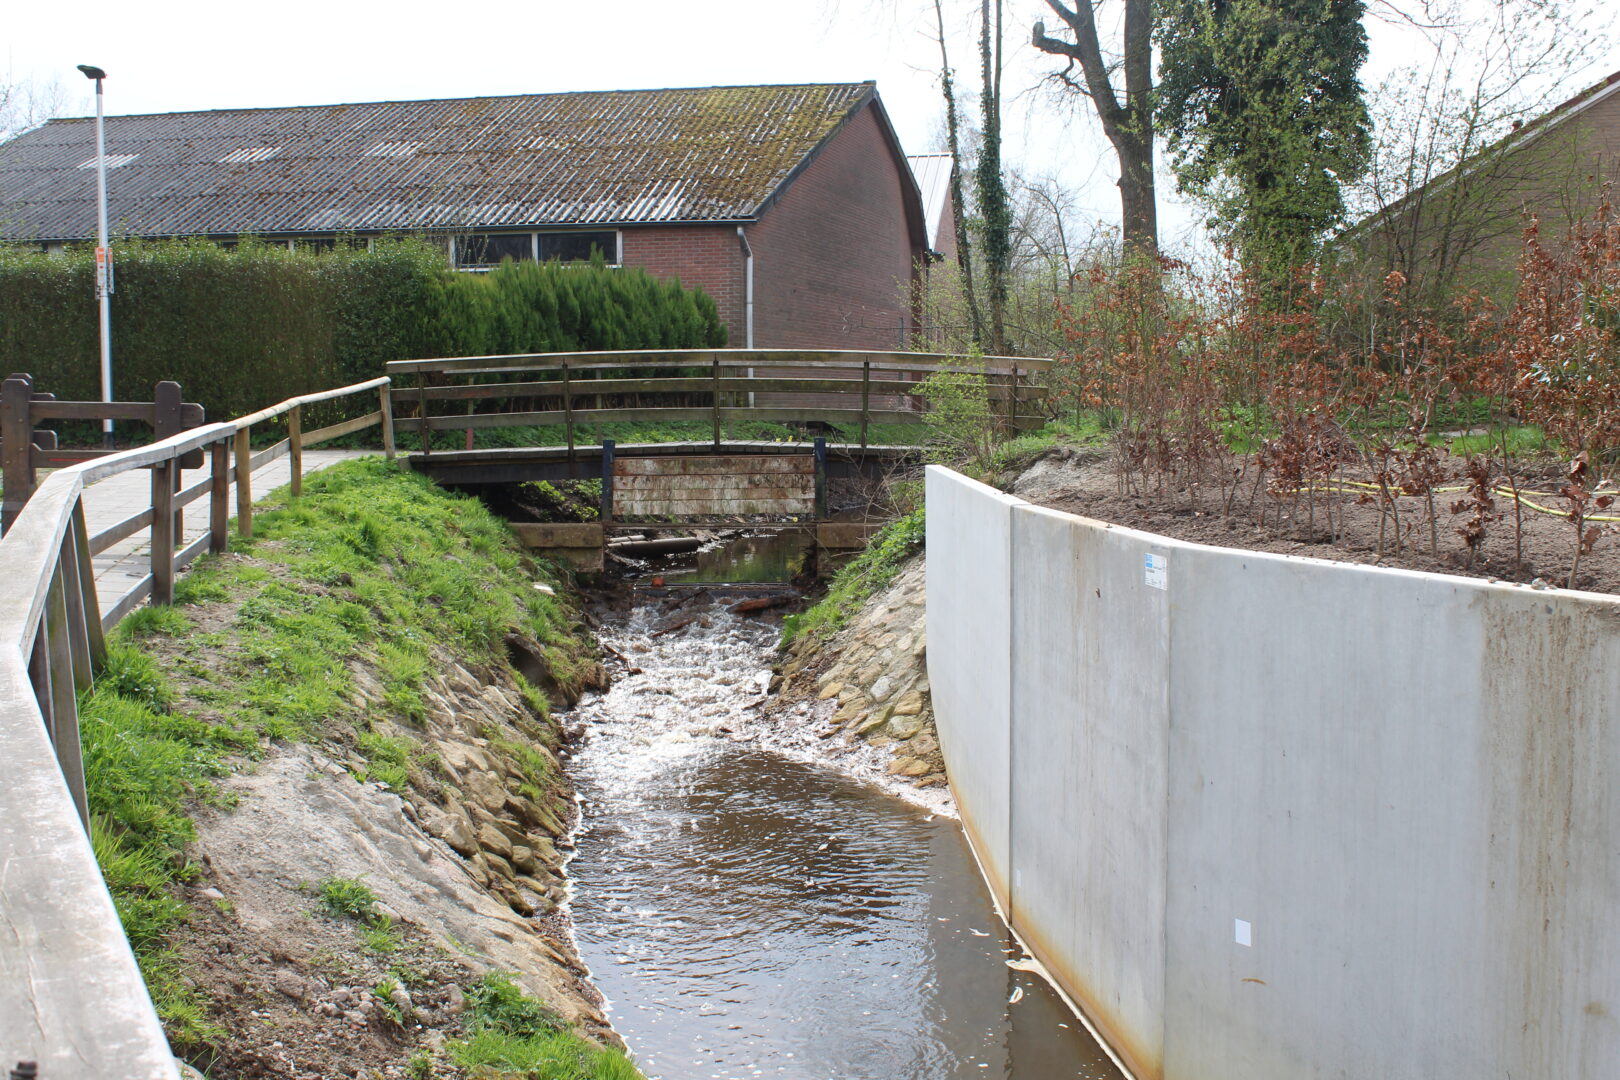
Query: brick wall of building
point(700, 255)
point(833, 257)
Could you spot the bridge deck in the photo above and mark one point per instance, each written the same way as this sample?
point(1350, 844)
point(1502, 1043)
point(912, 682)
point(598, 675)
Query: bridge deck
point(514, 465)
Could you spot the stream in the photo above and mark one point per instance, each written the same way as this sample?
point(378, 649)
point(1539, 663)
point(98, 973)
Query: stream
point(749, 911)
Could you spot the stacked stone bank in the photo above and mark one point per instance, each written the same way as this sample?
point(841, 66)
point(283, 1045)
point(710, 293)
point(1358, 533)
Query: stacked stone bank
point(870, 679)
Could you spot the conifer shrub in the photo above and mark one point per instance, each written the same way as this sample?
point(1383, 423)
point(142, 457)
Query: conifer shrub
point(249, 326)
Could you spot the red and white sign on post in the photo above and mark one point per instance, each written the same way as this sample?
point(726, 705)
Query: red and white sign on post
point(104, 270)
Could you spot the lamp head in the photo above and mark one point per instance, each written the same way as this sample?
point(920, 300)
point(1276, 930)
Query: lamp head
point(92, 72)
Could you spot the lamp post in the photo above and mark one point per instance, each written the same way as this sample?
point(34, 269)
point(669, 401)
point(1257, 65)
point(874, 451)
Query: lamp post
point(104, 268)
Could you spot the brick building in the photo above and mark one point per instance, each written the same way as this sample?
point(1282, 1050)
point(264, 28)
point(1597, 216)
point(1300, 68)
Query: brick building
point(792, 206)
point(1465, 228)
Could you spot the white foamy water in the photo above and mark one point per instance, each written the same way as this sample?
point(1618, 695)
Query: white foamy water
point(755, 901)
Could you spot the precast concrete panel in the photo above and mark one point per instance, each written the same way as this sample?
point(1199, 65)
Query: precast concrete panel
point(1317, 802)
point(1548, 753)
point(1349, 894)
point(1384, 802)
point(1090, 720)
point(969, 645)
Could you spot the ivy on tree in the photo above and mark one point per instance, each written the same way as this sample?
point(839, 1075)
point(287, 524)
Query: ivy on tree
point(1263, 109)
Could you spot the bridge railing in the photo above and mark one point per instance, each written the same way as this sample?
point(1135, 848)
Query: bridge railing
point(71, 997)
point(846, 388)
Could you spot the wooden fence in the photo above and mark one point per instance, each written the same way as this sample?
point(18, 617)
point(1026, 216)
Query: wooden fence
point(854, 389)
point(71, 997)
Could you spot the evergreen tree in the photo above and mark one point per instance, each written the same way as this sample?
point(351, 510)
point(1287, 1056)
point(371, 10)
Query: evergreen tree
point(1264, 112)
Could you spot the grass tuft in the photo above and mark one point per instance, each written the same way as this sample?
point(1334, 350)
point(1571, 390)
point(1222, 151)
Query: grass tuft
point(859, 579)
point(513, 1033)
point(346, 898)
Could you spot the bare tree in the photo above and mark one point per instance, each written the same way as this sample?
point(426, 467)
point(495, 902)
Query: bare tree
point(1127, 120)
point(1462, 153)
point(964, 249)
point(26, 104)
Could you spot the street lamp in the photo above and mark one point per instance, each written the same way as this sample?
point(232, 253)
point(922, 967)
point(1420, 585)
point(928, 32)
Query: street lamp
point(104, 270)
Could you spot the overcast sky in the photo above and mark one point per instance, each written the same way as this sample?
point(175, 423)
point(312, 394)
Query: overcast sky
point(178, 55)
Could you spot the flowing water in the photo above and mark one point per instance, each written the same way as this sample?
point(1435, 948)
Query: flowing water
point(749, 911)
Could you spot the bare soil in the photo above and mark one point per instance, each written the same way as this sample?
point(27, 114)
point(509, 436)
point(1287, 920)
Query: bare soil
point(1338, 527)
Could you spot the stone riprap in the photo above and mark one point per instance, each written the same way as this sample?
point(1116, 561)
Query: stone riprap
point(870, 679)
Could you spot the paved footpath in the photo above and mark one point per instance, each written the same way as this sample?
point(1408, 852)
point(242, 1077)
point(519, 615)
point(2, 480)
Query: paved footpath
point(122, 566)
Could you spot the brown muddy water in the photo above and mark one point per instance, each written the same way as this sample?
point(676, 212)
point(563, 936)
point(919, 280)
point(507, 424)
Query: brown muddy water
point(749, 911)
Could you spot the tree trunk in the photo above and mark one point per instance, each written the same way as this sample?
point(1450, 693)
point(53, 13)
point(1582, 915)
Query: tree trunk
point(1128, 123)
point(964, 248)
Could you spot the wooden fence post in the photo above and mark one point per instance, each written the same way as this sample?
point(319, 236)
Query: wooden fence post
point(607, 480)
point(244, 483)
point(162, 553)
point(385, 405)
point(78, 637)
point(89, 601)
point(17, 451)
point(219, 497)
point(64, 695)
point(165, 423)
point(295, 448)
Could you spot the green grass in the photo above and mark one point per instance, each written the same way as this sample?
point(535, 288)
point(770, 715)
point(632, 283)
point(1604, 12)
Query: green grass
point(371, 565)
point(859, 579)
point(380, 935)
point(1523, 441)
point(142, 765)
point(515, 1034)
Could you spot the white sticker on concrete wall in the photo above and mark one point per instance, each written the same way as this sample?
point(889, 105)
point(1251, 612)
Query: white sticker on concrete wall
point(1156, 571)
point(1240, 932)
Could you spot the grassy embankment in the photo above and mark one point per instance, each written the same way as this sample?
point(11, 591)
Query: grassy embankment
point(370, 564)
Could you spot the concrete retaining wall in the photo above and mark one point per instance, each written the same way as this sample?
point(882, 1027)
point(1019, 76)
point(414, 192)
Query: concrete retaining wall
point(1284, 818)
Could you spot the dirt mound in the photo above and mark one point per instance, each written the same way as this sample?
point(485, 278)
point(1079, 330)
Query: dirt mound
point(1333, 525)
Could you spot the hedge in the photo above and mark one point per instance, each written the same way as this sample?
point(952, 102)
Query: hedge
point(246, 327)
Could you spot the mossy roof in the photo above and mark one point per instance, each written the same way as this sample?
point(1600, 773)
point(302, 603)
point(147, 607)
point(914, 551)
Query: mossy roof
point(592, 158)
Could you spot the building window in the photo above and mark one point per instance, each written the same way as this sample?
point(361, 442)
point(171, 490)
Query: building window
point(482, 251)
point(478, 251)
point(579, 246)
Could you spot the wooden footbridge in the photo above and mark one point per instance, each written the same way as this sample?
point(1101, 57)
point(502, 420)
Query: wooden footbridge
point(71, 997)
point(715, 392)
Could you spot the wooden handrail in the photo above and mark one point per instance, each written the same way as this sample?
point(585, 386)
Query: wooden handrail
point(713, 385)
point(850, 358)
point(91, 1016)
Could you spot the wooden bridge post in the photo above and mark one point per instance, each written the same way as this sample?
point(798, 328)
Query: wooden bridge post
point(866, 397)
point(219, 497)
point(821, 478)
point(16, 446)
point(422, 398)
point(295, 447)
point(716, 405)
point(607, 480)
point(568, 410)
point(385, 406)
point(244, 483)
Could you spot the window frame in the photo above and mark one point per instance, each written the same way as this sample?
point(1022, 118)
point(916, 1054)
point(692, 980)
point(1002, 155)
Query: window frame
point(615, 259)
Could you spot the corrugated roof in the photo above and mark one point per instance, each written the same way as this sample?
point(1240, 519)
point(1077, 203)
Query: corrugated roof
point(933, 175)
point(597, 158)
